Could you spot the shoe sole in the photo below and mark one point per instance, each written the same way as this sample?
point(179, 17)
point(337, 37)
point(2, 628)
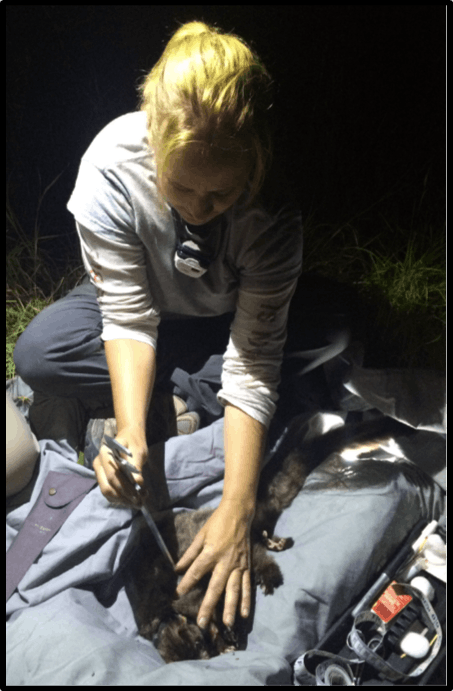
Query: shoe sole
point(188, 423)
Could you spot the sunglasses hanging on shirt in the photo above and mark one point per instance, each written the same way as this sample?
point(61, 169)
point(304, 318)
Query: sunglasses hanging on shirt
point(194, 251)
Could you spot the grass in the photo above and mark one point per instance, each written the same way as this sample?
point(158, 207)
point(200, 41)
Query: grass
point(399, 272)
point(400, 276)
point(411, 298)
point(31, 283)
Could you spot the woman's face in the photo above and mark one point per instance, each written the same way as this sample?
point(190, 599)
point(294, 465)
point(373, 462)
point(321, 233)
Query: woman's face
point(199, 189)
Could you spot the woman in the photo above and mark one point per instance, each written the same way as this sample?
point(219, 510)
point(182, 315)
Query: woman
point(164, 212)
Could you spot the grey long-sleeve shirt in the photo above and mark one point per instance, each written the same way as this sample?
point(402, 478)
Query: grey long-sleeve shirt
point(128, 239)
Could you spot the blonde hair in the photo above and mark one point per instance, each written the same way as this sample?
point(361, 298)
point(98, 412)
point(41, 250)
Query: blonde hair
point(210, 87)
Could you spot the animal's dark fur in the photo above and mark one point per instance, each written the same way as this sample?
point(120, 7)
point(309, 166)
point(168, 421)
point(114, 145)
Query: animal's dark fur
point(171, 622)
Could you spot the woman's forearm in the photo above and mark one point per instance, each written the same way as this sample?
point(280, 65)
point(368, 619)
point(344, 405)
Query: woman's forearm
point(245, 442)
point(132, 368)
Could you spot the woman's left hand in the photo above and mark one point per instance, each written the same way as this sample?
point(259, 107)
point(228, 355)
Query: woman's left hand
point(223, 547)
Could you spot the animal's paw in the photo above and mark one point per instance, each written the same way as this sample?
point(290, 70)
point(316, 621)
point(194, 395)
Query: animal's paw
point(269, 577)
point(223, 638)
point(277, 544)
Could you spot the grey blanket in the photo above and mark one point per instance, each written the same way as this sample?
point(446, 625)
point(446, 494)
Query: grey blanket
point(70, 622)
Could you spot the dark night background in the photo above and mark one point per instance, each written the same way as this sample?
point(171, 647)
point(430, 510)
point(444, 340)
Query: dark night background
point(360, 103)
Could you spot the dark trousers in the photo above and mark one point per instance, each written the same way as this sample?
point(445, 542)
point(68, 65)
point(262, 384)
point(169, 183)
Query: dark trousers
point(61, 353)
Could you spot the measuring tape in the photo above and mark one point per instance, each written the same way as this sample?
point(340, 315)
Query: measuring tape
point(328, 669)
point(357, 644)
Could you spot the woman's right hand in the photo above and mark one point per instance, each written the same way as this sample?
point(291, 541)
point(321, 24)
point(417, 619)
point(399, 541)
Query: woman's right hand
point(113, 482)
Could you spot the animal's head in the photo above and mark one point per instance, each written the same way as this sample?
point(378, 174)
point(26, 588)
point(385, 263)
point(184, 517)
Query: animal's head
point(180, 638)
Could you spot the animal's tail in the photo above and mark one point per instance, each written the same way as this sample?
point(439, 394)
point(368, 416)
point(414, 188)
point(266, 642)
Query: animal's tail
point(316, 449)
point(354, 434)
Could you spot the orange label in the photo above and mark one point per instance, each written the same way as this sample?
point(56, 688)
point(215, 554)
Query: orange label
point(391, 602)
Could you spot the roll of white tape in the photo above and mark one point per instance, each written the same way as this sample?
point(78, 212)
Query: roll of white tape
point(415, 645)
point(424, 586)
